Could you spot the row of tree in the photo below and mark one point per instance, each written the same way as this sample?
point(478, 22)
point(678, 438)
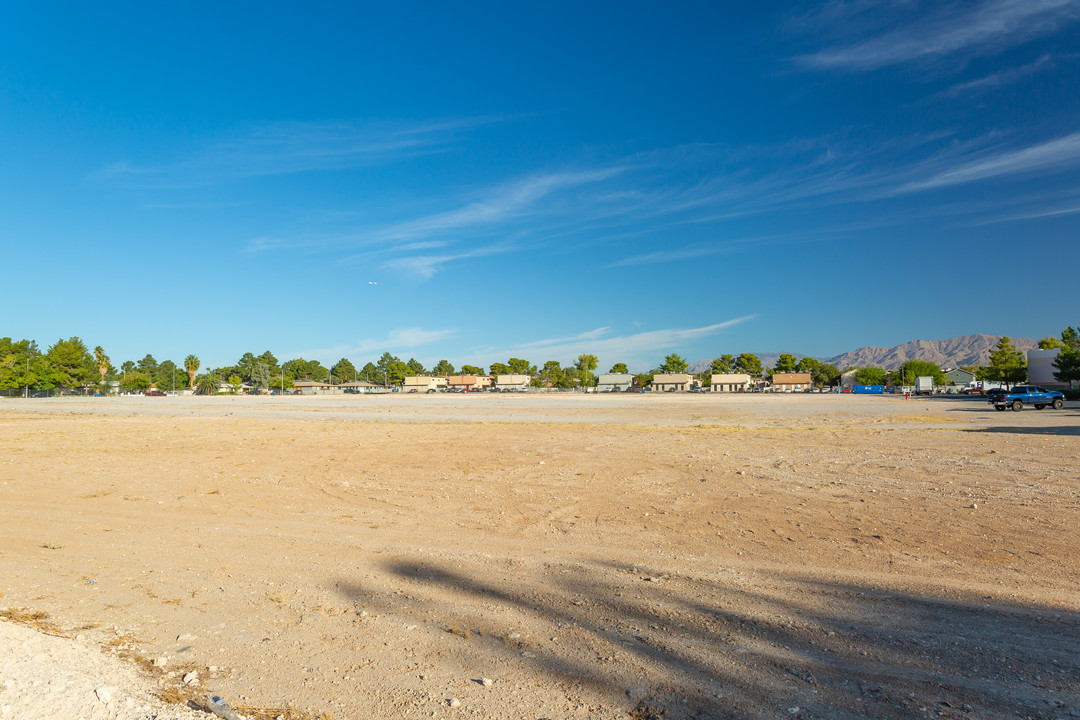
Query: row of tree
point(70, 364)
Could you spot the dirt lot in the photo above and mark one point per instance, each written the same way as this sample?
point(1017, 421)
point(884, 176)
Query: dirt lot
point(560, 556)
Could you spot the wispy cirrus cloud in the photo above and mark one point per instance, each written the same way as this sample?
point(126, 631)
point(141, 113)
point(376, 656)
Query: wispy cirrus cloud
point(996, 80)
point(425, 266)
point(512, 200)
point(644, 349)
point(1050, 156)
point(629, 200)
point(395, 341)
point(918, 33)
point(282, 148)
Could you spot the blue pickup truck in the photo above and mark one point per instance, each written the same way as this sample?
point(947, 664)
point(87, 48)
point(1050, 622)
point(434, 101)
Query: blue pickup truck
point(1022, 395)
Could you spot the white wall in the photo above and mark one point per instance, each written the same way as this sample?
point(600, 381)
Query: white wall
point(1041, 366)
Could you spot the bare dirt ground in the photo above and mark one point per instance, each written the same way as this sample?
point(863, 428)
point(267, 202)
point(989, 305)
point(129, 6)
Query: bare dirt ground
point(558, 556)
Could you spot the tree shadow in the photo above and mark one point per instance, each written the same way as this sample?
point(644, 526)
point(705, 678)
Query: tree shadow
point(740, 644)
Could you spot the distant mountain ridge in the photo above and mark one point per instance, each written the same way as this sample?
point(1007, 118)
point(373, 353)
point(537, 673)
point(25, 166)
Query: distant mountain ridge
point(952, 352)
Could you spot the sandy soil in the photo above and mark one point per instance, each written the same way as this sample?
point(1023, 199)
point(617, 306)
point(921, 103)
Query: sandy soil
point(539, 556)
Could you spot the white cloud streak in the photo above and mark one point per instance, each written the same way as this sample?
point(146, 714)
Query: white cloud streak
point(291, 147)
point(395, 342)
point(512, 200)
point(996, 80)
point(644, 349)
point(1054, 155)
point(978, 28)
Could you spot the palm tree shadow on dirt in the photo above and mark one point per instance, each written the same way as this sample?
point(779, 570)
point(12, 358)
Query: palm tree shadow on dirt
point(746, 644)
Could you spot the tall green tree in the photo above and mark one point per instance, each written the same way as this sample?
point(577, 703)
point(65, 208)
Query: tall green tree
point(148, 365)
point(416, 367)
point(472, 370)
point(498, 368)
point(552, 373)
point(70, 364)
point(370, 373)
point(1049, 343)
point(443, 368)
point(191, 366)
point(786, 363)
point(135, 382)
point(1007, 364)
point(245, 366)
point(168, 376)
point(643, 380)
point(301, 369)
point(1067, 363)
point(870, 376)
point(343, 371)
point(392, 370)
point(585, 365)
point(619, 368)
point(807, 364)
point(260, 376)
point(674, 363)
point(750, 364)
point(21, 364)
point(271, 362)
point(920, 368)
point(825, 375)
point(722, 365)
point(520, 367)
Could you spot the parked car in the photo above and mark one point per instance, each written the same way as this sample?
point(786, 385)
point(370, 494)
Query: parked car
point(154, 393)
point(971, 391)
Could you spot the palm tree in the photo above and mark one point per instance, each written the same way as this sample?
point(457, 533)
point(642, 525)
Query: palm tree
point(191, 364)
point(102, 361)
point(208, 384)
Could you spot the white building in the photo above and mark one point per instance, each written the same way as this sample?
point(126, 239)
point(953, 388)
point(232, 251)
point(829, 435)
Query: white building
point(729, 382)
point(508, 383)
point(614, 382)
point(1041, 367)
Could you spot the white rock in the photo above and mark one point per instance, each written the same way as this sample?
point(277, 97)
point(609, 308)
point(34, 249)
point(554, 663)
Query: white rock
point(191, 678)
point(453, 702)
point(105, 694)
point(184, 637)
point(159, 662)
point(486, 682)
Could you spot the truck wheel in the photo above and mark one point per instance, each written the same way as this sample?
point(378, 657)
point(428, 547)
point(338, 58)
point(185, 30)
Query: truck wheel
point(1017, 406)
point(1058, 403)
point(999, 408)
point(1040, 406)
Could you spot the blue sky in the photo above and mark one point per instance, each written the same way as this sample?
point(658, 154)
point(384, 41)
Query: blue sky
point(626, 179)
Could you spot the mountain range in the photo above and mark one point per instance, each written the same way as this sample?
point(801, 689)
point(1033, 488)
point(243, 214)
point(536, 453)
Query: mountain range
point(949, 353)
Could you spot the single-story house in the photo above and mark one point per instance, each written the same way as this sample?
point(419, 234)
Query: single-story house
point(422, 383)
point(614, 382)
point(360, 387)
point(316, 387)
point(730, 382)
point(672, 382)
point(960, 377)
point(791, 382)
point(512, 382)
point(469, 383)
